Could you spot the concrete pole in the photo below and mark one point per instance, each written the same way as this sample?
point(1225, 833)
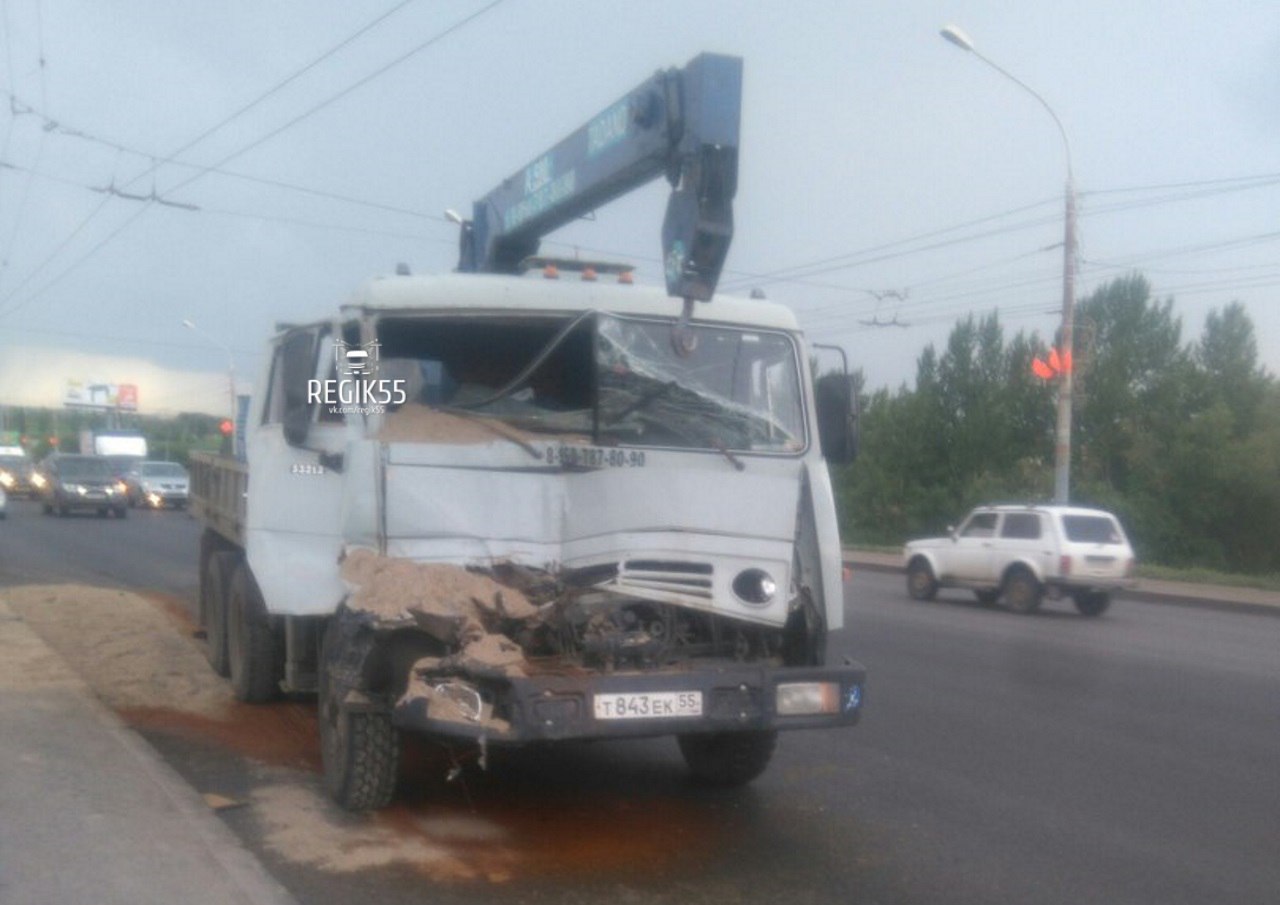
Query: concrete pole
point(1062, 435)
point(1066, 385)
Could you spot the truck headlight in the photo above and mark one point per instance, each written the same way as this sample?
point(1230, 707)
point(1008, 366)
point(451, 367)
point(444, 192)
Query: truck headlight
point(6, 479)
point(807, 698)
point(755, 586)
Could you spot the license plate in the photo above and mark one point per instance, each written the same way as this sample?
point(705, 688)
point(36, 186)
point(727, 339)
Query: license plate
point(654, 705)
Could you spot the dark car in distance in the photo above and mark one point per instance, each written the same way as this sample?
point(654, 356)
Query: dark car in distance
point(70, 482)
point(15, 475)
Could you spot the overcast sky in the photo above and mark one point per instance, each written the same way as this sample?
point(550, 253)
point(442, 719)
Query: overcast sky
point(866, 139)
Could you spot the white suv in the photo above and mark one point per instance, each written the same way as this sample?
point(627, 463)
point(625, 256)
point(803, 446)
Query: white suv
point(1021, 552)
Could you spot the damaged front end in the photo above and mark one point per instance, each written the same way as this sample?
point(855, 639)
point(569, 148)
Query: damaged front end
point(519, 654)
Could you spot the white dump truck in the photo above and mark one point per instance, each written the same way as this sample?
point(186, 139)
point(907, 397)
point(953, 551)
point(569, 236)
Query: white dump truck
point(497, 508)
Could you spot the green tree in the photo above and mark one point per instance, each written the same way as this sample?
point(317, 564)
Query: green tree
point(976, 427)
point(1227, 356)
point(1133, 381)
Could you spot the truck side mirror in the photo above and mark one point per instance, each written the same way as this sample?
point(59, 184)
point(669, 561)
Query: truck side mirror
point(837, 418)
point(298, 361)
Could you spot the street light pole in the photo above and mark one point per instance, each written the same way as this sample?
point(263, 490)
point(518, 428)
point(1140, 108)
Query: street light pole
point(231, 374)
point(1066, 385)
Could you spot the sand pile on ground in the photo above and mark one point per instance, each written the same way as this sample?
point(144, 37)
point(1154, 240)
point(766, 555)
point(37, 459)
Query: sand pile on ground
point(126, 647)
point(301, 827)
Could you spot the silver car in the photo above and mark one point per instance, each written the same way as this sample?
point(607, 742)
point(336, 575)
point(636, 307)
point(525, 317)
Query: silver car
point(158, 485)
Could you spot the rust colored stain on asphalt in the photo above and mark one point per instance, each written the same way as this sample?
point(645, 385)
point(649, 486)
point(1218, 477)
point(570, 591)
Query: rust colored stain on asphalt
point(283, 734)
point(495, 826)
point(545, 823)
point(602, 835)
point(173, 606)
point(531, 835)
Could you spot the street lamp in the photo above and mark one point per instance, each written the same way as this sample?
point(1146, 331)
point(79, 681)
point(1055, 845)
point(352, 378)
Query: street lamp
point(231, 371)
point(1062, 437)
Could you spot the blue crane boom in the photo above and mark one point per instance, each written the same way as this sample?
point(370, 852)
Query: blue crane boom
point(681, 123)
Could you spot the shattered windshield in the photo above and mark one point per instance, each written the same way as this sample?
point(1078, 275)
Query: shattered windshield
point(738, 389)
point(615, 381)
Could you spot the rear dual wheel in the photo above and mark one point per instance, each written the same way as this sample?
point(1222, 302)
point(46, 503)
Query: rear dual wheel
point(214, 584)
point(254, 655)
point(241, 642)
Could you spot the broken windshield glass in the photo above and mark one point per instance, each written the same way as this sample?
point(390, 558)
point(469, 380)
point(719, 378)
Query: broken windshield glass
point(737, 390)
point(616, 379)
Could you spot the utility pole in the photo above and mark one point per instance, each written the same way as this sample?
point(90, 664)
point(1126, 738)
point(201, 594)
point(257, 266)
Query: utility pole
point(1066, 382)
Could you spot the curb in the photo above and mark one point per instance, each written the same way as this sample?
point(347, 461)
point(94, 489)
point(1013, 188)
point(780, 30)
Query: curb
point(1189, 595)
point(247, 879)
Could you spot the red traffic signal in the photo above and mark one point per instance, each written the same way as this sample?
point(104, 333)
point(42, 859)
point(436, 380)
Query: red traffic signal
point(1056, 364)
point(225, 427)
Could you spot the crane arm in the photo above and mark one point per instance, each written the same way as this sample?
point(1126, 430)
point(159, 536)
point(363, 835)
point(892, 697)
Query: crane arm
point(681, 123)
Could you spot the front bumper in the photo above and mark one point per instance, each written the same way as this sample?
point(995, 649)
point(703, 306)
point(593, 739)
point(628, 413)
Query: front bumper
point(75, 501)
point(161, 498)
point(559, 707)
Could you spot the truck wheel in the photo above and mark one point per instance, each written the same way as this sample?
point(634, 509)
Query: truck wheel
point(1022, 592)
point(728, 758)
point(1092, 603)
point(214, 585)
point(921, 584)
point(252, 656)
point(360, 750)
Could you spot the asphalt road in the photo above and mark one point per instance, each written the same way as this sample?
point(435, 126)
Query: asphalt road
point(1001, 759)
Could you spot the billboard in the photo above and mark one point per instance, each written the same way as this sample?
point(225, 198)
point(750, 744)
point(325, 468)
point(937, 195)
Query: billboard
point(101, 394)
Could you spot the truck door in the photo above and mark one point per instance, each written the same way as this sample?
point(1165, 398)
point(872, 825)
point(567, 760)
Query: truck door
point(295, 481)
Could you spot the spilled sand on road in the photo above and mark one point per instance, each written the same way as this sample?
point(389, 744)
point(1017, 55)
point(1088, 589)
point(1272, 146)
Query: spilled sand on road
point(126, 647)
point(305, 828)
point(138, 656)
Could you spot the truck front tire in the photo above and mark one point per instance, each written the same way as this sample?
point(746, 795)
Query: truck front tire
point(253, 652)
point(728, 758)
point(360, 749)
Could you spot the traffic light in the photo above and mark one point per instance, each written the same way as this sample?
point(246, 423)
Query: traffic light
point(225, 427)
